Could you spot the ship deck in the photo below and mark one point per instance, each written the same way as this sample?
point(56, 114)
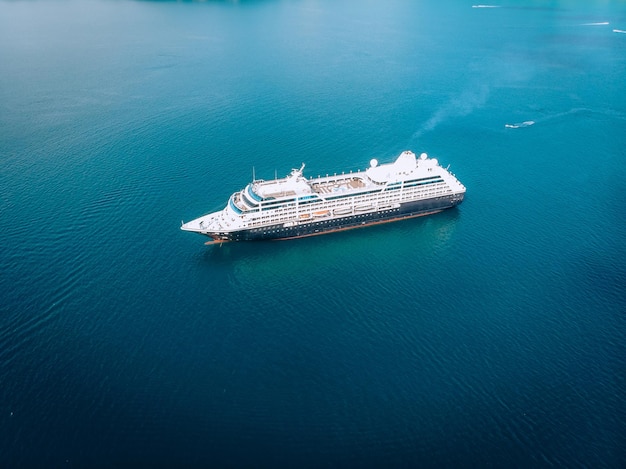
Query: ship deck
point(337, 185)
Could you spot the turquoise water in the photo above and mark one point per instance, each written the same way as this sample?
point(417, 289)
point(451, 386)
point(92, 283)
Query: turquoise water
point(489, 335)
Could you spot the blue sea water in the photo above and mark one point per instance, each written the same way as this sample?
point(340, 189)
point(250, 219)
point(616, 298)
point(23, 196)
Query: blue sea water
point(492, 335)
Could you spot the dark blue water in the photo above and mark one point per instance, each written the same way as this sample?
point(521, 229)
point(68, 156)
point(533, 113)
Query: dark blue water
point(489, 335)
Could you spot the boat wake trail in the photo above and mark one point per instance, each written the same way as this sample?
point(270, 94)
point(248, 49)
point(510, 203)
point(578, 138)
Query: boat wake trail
point(485, 6)
point(604, 23)
point(519, 125)
point(577, 111)
point(458, 106)
point(619, 31)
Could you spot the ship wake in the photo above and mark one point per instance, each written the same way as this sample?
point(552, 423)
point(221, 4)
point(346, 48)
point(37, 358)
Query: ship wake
point(519, 125)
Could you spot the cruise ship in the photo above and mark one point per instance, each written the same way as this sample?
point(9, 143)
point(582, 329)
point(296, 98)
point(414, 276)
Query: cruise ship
point(294, 206)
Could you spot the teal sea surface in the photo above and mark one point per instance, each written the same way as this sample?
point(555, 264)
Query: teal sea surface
point(489, 335)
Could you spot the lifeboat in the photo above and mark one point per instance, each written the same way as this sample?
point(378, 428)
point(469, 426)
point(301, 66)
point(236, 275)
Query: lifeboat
point(321, 213)
point(342, 211)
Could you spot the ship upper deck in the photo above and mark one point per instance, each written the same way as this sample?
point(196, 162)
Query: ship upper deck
point(332, 185)
point(281, 188)
point(293, 187)
point(406, 167)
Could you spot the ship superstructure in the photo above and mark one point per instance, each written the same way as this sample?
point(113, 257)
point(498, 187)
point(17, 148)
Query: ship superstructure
point(295, 206)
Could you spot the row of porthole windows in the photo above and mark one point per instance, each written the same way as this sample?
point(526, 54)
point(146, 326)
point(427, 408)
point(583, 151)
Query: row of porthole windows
point(326, 222)
point(383, 196)
point(269, 217)
point(290, 211)
point(264, 219)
